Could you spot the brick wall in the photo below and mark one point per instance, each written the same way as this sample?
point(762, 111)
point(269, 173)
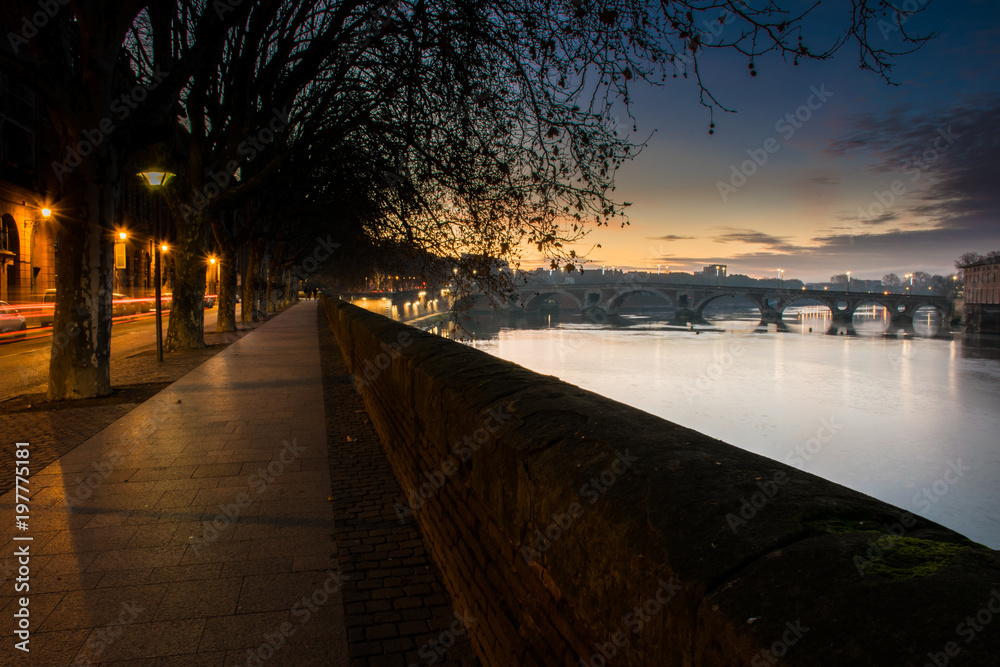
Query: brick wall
point(664, 546)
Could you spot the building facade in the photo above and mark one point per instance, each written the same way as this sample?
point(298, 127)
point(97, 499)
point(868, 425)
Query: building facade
point(982, 295)
point(28, 231)
point(27, 237)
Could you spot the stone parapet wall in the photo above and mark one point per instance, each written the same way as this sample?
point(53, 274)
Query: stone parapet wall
point(576, 530)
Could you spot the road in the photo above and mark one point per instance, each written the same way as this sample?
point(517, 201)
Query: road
point(24, 364)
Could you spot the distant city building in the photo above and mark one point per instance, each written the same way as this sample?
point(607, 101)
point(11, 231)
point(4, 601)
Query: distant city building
point(982, 294)
point(868, 285)
point(714, 270)
point(982, 281)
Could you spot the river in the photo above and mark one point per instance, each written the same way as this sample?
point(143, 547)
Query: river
point(910, 416)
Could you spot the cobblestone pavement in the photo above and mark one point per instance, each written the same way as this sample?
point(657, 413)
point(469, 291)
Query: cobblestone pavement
point(195, 530)
point(55, 428)
point(396, 608)
point(242, 516)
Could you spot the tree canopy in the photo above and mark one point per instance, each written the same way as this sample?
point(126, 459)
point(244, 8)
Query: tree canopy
point(450, 127)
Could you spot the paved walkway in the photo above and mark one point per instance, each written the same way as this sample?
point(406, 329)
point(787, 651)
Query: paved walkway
point(196, 530)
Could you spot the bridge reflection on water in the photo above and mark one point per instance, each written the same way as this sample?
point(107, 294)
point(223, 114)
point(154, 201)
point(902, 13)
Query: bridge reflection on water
point(910, 396)
point(867, 320)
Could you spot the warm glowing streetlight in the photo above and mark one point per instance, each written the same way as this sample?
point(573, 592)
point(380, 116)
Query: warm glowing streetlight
point(156, 179)
point(848, 282)
point(46, 213)
point(780, 273)
point(122, 235)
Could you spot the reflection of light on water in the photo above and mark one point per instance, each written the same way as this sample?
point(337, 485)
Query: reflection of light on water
point(871, 318)
point(927, 321)
point(810, 319)
point(871, 311)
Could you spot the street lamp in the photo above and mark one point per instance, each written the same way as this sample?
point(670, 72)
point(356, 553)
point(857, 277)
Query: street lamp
point(217, 265)
point(121, 263)
point(780, 272)
point(909, 287)
point(46, 213)
point(156, 180)
point(848, 282)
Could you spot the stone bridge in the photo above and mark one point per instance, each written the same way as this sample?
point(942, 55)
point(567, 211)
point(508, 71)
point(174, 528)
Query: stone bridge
point(690, 301)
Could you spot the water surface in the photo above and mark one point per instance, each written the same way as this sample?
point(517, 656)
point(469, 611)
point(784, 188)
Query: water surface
point(908, 418)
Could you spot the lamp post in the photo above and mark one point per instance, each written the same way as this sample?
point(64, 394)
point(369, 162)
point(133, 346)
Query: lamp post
point(909, 287)
point(215, 283)
point(848, 282)
point(780, 272)
point(121, 261)
point(156, 180)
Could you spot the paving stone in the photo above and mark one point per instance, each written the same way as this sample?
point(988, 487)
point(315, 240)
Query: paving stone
point(145, 554)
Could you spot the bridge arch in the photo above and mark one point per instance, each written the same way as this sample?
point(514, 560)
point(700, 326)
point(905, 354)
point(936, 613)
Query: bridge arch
point(912, 308)
point(875, 322)
point(806, 302)
point(613, 303)
point(705, 300)
point(535, 300)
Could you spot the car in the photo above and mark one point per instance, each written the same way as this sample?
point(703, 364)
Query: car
point(10, 319)
point(48, 308)
point(122, 305)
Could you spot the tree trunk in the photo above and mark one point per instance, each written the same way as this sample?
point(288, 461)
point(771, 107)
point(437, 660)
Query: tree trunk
point(271, 277)
point(288, 288)
point(226, 317)
point(187, 310)
point(80, 359)
point(248, 313)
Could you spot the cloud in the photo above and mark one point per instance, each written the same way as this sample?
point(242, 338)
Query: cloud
point(823, 180)
point(776, 244)
point(670, 237)
point(881, 219)
point(945, 159)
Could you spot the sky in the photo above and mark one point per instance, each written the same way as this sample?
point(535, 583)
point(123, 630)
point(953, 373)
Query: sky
point(869, 178)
